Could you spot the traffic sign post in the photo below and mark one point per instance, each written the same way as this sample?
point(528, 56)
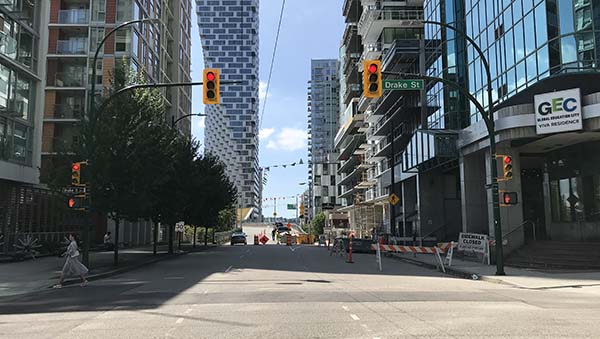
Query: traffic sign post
point(403, 85)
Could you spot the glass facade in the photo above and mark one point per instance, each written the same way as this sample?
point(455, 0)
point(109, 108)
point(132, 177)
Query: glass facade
point(17, 87)
point(526, 41)
point(575, 183)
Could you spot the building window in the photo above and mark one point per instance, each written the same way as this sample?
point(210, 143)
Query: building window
point(124, 10)
point(99, 10)
point(123, 41)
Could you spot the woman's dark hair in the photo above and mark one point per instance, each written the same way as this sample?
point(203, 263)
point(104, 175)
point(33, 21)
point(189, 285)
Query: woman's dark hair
point(73, 235)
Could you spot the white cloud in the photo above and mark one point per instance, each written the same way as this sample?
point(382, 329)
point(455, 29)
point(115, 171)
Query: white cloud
point(202, 122)
point(264, 133)
point(289, 139)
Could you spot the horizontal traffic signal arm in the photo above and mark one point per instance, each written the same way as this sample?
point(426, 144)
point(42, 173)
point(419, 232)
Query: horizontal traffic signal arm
point(159, 85)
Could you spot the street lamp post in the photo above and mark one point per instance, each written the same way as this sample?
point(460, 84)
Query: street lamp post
point(90, 144)
point(174, 121)
point(488, 118)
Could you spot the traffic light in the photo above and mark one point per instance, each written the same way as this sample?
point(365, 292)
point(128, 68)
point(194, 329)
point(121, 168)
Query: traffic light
point(77, 202)
point(509, 198)
point(507, 167)
point(211, 94)
point(372, 82)
point(76, 174)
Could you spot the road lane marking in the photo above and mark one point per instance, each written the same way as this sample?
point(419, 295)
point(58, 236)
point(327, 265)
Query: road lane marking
point(354, 316)
point(345, 308)
point(228, 269)
point(179, 321)
point(205, 292)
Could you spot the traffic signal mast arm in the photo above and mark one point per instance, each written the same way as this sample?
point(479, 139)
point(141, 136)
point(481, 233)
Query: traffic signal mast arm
point(160, 85)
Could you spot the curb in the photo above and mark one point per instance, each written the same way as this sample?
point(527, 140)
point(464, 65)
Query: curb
point(119, 270)
point(449, 270)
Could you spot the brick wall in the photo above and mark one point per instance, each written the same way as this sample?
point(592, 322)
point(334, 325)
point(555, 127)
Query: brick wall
point(52, 40)
point(54, 8)
point(48, 137)
point(49, 102)
point(108, 65)
point(109, 44)
point(111, 11)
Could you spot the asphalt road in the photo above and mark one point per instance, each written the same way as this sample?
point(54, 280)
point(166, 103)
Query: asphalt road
point(295, 292)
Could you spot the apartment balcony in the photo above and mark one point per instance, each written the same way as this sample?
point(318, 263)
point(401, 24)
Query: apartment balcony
point(352, 10)
point(372, 51)
point(351, 40)
point(351, 62)
point(66, 113)
point(70, 80)
point(74, 16)
point(8, 45)
point(373, 21)
point(427, 149)
point(76, 46)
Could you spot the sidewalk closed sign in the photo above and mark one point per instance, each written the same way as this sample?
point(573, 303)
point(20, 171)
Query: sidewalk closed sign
point(472, 242)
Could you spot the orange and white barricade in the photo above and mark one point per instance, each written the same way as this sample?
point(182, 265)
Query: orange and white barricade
point(410, 249)
point(448, 247)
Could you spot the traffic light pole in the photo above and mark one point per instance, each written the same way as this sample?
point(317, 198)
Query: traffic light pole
point(494, 185)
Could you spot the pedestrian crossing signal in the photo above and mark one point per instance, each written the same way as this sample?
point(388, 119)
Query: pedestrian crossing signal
point(211, 82)
point(509, 198)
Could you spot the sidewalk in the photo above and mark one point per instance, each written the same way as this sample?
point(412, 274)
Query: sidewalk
point(518, 277)
point(37, 274)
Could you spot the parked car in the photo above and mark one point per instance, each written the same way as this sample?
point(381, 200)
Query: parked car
point(238, 238)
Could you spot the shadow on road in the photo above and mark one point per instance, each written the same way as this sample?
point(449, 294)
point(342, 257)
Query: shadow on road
point(164, 281)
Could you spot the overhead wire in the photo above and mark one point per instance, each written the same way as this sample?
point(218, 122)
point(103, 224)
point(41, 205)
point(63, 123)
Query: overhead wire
point(272, 63)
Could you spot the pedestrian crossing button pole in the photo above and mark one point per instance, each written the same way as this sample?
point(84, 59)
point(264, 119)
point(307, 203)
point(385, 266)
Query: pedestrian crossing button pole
point(350, 250)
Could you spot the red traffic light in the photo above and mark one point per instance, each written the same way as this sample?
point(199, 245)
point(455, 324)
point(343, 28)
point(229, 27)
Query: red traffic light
point(507, 159)
point(210, 76)
point(71, 203)
point(75, 167)
point(372, 68)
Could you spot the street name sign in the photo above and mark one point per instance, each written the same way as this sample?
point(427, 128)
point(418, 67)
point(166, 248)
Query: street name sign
point(74, 190)
point(403, 85)
point(291, 206)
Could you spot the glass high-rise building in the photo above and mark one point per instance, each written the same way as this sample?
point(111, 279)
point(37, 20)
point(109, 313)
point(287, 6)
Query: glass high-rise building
point(229, 35)
point(323, 117)
point(545, 80)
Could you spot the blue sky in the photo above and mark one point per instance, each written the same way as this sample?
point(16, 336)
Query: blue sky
point(311, 29)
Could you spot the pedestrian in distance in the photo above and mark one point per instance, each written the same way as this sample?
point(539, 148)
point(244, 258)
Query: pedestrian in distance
point(72, 266)
point(108, 246)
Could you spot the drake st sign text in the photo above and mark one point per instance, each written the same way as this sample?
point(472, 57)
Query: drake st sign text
point(403, 85)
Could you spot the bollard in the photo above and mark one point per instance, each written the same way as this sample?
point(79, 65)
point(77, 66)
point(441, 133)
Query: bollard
point(350, 250)
point(289, 240)
point(256, 239)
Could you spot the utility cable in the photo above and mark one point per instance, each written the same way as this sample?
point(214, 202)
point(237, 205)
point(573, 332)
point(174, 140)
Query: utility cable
point(272, 63)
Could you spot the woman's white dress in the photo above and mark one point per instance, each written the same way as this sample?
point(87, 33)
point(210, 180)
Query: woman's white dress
point(73, 267)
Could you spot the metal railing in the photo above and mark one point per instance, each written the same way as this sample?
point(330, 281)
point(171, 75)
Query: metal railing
point(369, 16)
point(522, 226)
point(73, 16)
point(66, 111)
point(72, 46)
point(69, 79)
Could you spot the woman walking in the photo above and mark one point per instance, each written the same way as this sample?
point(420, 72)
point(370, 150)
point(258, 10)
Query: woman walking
point(72, 266)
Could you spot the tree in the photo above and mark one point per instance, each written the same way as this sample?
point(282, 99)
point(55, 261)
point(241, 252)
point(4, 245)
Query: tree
point(318, 223)
point(127, 145)
point(226, 219)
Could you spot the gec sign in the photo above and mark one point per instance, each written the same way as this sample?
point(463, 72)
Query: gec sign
point(558, 111)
